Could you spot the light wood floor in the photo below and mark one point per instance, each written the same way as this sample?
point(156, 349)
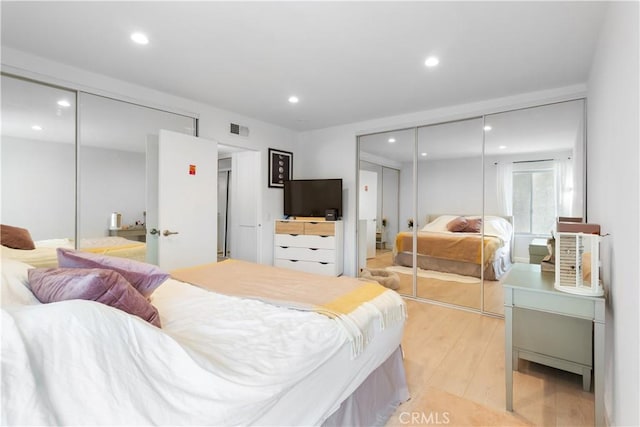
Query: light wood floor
point(462, 294)
point(454, 362)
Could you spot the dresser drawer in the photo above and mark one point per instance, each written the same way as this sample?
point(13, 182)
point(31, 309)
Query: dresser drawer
point(304, 241)
point(326, 269)
point(289, 227)
point(305, 254)
point(319, 228)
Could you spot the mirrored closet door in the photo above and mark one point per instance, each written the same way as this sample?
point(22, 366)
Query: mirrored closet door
point(385, 195)
point(116, 140)
point(448, 225)
point(534, 173)
point(78, 184)
point(474, 197)
point(38, 160)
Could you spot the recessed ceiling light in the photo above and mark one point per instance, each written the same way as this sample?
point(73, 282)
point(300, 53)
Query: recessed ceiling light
point(431, 61)
point(293, 99)
point(502, 147)
point(36, 127)
point(423, 154)
point(64, 103)
point(392, 140)
point(140, 38)
point(487, 128)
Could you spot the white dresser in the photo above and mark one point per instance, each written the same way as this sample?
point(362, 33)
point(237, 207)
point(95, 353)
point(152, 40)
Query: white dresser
point(311, 246)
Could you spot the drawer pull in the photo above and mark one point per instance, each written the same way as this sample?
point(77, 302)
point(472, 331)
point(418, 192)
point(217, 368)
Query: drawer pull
point(293, 260)
point(313, 249)
point(293, 235)
point(324, 263)
point(284, 247)
point(324, 236)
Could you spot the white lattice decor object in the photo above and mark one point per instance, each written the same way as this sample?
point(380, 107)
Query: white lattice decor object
point(578, 263)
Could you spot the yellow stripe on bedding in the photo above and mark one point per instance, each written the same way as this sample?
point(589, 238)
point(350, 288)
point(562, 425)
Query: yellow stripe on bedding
point(106, 249)
point(347, 303)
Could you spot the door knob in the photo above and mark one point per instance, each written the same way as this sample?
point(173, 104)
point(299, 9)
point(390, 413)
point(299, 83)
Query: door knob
point(168, 233)
point(154, 231)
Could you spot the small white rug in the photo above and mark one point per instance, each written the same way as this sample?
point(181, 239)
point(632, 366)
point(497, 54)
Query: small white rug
point(430, 274)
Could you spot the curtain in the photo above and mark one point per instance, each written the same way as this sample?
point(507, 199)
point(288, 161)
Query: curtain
point(504, 181)
point(563, 169)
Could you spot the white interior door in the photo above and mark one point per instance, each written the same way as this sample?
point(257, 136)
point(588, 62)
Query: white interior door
point(245, 222)
point(368, 207)
point(187, 201)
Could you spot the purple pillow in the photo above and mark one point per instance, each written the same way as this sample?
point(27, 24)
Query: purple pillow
point(16, 237)
point(473, 225)
point(92, 284)
point(142, 276)
point(457, 224)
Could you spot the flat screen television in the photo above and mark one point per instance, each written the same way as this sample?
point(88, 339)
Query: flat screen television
point(312, 197)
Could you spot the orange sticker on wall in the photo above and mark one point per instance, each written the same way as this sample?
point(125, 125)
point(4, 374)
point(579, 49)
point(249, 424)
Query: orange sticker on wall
point(192, 169)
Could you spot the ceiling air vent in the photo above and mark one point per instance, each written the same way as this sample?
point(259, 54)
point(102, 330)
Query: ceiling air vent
point(239, 130)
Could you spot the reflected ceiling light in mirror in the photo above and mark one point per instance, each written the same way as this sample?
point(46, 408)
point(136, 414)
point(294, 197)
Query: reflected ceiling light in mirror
point(502, 147)
point(423, 154)
point(140, 38)
point(64, 103)
point(36, 127)
point(487, 128)
point(391, 140)
point(431, 61)
point(293, 99)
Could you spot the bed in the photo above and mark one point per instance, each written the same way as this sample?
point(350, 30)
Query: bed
point(44, 254)
point(463, 253)
point(218, 360)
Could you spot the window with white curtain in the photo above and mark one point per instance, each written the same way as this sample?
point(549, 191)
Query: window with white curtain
point(534, 198)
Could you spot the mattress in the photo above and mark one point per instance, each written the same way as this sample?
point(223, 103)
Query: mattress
point(218, 360)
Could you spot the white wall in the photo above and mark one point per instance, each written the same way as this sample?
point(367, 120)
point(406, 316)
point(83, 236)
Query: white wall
point(332, 152)
point(213, 124)
point(38, 187)
point(613, 200)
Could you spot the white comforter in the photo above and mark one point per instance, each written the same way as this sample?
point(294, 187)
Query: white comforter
point(217, 361)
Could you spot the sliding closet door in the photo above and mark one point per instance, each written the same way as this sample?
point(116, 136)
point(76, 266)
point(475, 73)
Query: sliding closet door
point(113, 138)
point(387, 160)
point(448, 222)
point(38, 160)
point(534, 169)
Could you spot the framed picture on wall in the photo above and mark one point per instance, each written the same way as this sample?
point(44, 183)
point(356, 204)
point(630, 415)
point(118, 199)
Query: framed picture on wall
point(280, 167)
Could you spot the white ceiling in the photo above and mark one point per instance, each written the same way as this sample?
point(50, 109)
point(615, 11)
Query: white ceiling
point(346, 61)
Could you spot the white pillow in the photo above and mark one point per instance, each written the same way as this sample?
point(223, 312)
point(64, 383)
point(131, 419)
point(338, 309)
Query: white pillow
point(15, 284)
point(493, 225)
point(439, 224)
